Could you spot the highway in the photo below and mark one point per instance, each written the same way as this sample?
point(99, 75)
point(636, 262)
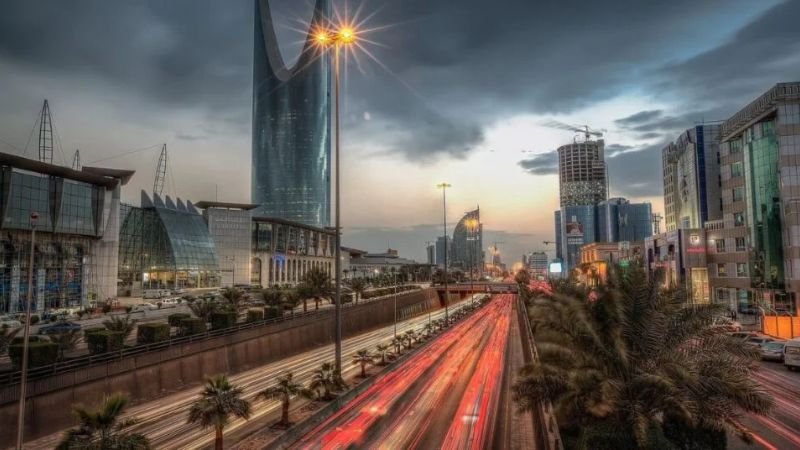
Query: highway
point(781, 429)
point(445, 396)
point(164, 421)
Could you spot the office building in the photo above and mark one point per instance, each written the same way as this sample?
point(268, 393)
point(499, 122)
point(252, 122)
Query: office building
point(430, 253)
point(679, 258)
point(467, 244)
point(691, 178)
point(598, 257)
point(230, 227)
point(77, 233)
point(443, 244)
point(291, 170)
point(620, 220)
point(582, 173)
point(537, 265)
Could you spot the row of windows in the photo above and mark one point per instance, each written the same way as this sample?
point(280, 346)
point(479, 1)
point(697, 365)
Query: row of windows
point(741, 270)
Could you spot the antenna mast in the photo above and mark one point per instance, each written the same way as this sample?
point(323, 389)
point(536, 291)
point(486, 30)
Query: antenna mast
point(161, 172)
point(76, 160)
point(46, 135)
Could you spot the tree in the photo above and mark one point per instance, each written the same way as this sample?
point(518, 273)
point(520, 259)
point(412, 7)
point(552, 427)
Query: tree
point(6, 336)
point(66, 341)
point(408, 338)
point(284, 390)
point(397, 343)
point(121, 324)
point(522, 277)
point(317, 285)
point(234, 296)
point(358, 285)
point(291, 298)
point(362, 358)
point(103, 428)
point(217, 403)
point(429, 327)
point(203, 308)
point(273, 296)
point(620, 364)
point(382, 350)
point(325, 379)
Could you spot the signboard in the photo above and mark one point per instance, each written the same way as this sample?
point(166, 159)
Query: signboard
point(555, 267)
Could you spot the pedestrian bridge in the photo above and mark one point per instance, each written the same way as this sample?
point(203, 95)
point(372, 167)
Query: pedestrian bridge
point(479, 286)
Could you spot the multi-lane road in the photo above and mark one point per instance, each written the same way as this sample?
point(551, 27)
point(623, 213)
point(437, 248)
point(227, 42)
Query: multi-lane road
point(164, 421)
point(445, 396)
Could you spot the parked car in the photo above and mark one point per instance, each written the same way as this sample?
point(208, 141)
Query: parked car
point(142, 307)
point(179, 291)
point(758, 341)
point(155, 293)
point(791, 354)
point(10, 322)
point(727, 323)
point(743, 335)
point(749, 309)
point(772, 351)
point(169, 303)
point(59, 327)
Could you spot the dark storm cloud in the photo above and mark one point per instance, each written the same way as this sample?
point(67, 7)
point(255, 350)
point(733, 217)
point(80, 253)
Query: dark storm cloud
point(635, 173)
point(641, 116)
point(541, 164)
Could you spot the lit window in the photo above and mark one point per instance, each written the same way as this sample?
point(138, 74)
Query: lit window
point(720, 243)
point(740, 244)
point(721, 270)
point(741, 269)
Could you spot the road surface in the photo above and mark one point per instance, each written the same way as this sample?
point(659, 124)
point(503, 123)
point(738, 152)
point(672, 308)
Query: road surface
point(164, 421)
point(445, 396)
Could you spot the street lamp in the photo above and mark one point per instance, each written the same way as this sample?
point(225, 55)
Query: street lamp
point(472, 225)
point(325, 39)
point(443, 186)
point(23, 382)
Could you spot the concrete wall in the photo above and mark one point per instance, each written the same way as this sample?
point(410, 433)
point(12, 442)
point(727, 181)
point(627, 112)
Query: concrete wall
point(150, 375)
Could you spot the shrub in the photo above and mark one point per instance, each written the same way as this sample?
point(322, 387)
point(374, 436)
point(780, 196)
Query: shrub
point(90, 330)
point(255, 314)
point(223, 319)
point(106, 307)
point(175, 319)
point(149, 333)
point(272, 312)
point(34, 319)
point(104, 341)
point(40, 352)
point(192, 325)
point(128, 309)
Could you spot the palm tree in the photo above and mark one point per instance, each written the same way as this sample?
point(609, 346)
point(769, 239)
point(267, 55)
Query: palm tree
point(234, 296)
point(203, 308)
point(358, 285)
point(325, 379)
point(522, 277)
point(121, 324)
point(382, 350)
point(316, 284)
point(397, 343)
point(273, 296)
point(284, 390)
point(291, 298)
point(6, 336)
point(220, 400)
point(363, 357)
point(632, 367)
point(66, 341)
point(409, 337)
point(429, 328)
point(103, 428)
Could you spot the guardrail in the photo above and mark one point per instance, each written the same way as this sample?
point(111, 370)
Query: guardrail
point(547, 425)
point(9, 378)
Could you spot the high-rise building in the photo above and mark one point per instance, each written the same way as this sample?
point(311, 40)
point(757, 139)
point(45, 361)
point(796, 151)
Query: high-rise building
point(691, 178)
point(430, 252)
point(468, 242)
point(582, 173)
point(444, 244)
point(620, 220)
point(537, 265)
point(291, 126)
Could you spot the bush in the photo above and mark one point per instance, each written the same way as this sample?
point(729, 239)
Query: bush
point(150, 333)
point(40, 352)
point(223, 319)
point(106, 307)
point(34, 319)
point(128, 309)
point(104, 341)
point(90, 330)
point(192, 325)
point(255, 314)
point(175, 319)
point(387, 291)
point(272, 312)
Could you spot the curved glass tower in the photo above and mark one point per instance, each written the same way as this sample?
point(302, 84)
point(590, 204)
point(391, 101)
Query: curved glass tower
point(291, 126)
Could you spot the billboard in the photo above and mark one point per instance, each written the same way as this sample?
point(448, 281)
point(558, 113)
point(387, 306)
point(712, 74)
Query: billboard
point(555, 267)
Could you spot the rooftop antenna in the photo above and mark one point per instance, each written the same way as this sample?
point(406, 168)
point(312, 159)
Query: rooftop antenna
point(46, 135)
point(161, 172)
point(76, 160)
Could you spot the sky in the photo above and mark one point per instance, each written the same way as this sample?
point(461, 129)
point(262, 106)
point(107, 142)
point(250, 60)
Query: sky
point(441, 93)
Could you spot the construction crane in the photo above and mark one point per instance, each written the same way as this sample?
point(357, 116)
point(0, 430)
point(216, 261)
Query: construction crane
point(76, 160)
point(584, 129)
point(656, 218)
point(161, 172)
point(46, 135)
point(548, 242)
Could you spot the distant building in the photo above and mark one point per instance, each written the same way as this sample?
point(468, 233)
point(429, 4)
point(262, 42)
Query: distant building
point(678, 258)
point(367, 265)
point(582, 173)
point(430, 252)
point(537, 264)
point(691, 178)
point(467, 243)
point(230, 227)
point(443, 244)
point(598, 257)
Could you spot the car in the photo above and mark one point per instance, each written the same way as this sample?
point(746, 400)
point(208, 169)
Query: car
point(772, 351)
point(758, 341)
point(749, 309)
point(142, 307)
point(727, 323)
point(169, 303)
point(8, 322)
point(791, 354)
point(59, 327)
point(179, 291)
point(743, 334)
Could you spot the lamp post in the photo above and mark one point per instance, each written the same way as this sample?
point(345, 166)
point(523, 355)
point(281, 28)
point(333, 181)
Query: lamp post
point(326, 39)
point(472, 225)
point(23, 382)
point(443, 186)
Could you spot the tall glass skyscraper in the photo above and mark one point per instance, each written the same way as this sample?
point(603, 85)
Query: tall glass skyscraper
point(291, 126)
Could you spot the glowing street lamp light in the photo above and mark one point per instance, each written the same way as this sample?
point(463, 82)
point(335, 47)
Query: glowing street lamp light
point(325, 39)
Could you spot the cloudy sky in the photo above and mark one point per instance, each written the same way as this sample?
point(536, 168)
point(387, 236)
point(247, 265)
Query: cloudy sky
point(458, 91)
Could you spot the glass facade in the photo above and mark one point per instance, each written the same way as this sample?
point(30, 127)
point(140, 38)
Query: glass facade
point(283, 252)
point(291, 126)
point(467, 243)
point(162, 246)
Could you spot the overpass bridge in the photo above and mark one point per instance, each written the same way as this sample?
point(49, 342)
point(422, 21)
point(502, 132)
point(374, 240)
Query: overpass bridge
point(465, 288)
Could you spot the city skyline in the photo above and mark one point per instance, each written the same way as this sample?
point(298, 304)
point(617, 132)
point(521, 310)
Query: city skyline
point(184, 80)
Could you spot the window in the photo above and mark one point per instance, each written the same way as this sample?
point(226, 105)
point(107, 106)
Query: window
point(736, 169)
point(738, 194)
point(741, 269)
point(738, 219)
point(720, 243)
point(721, 270)
point(740, 244)
point(722, 294)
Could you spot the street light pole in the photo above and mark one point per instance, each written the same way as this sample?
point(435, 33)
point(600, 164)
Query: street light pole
point(444, 187)
point(338, 277)
point(394, 276)
point(23, 383)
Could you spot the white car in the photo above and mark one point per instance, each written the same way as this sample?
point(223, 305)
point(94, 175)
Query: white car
point(169, 303)
point(10, 323)
point(142, 307)
point(727, 323)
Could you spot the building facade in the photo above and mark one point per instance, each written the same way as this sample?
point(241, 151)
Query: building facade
point(679, 258)
point(620, 220)
point(444, 244)
point(537, 265)
point(467, 243)
point(291, 169)
point(582, 173)
point(230, 227)
point(77, 234)
point(430, 253)
point(691, 178)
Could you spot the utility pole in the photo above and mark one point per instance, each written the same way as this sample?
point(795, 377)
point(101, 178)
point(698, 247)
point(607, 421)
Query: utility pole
point(23, 383)
point(443, 187)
